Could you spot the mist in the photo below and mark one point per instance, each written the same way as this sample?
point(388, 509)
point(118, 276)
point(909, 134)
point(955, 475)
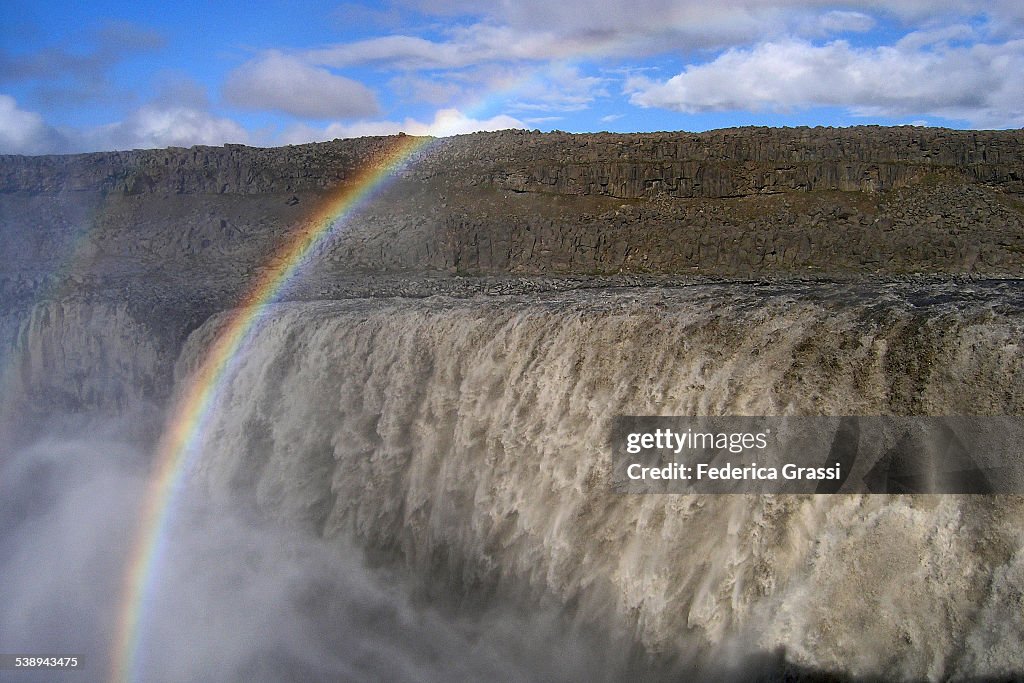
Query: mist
point(238, 596)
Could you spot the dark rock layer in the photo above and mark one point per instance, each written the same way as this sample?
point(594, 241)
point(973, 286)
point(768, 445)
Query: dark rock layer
point(739, 202)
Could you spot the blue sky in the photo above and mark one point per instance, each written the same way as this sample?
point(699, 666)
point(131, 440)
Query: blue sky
point(105, 75)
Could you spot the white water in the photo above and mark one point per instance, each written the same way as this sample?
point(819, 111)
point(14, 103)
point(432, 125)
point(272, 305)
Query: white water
point(467, 439)
point(68, 357)
point(237, 598)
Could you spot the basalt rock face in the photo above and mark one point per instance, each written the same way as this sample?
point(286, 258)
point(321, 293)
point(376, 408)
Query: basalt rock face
point(232, 169)
point(717, 164)
point(740, 202)
point(737, 162)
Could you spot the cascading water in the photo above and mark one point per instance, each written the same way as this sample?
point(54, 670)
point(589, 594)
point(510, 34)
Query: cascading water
point(467, 438)
point(64, 357)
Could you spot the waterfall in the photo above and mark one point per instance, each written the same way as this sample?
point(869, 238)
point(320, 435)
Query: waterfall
point(93, 359)
point(467, 439)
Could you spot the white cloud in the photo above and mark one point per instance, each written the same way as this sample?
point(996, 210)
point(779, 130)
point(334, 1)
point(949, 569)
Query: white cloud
point(25, 132)
point(559, 87)
point(154, 126)
point(454, 122)
point(466, 46)
point(537, 35)
point(612, 26)
point(836, 21)
point(284, 83)
point(938, 37)
point(402, 52)
point(446, 122)
point(541, 29)
point(545, 30)
point(482, 43)
point(979, 83)
point(412, 88)
point(629, 14)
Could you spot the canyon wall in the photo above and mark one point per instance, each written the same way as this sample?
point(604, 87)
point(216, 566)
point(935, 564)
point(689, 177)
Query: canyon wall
point(739, 202)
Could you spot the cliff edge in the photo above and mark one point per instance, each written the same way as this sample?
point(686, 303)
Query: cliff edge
point(741, 202)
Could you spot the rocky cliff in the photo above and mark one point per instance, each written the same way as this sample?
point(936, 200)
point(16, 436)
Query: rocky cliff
point(717, 164)
point(739, 202)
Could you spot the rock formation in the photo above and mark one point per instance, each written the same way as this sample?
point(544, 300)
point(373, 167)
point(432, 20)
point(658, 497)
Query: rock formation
point(739, 202)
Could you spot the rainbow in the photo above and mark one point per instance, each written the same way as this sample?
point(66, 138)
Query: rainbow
point(178, 443)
